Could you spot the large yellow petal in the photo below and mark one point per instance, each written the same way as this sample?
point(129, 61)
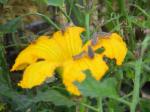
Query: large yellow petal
point(36, 73)
point(48, 49)
point(69, 40)
point(115, 47)
point(24, 59)
point(43, 48)
point(73, 71)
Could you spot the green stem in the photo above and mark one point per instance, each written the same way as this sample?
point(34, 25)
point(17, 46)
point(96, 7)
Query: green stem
point(90, 107)
point(132, 35)
point(124, 13)
point(48, 20)
point(136, 90)
point(126, 96)
point(142, 10)
point(87, 25)
point(82, 108)
point(122, 101)
point(65, 14)
point(100, 105)
point(44, 17)
point(14, 45)
point(123, 7)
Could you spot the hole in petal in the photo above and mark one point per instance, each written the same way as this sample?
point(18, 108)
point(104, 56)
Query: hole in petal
point(100, 50)
point(110, 62)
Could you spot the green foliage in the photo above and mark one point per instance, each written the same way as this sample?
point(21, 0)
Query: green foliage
point(4, 71)
point(56, 3)
point(75, 12)
point(145, 44)
point(53, 96)
point(19, 101)
point(91, 87)
point(145, 105)
point(3, 1)
point(114, 106)
point(2, 107)
point(11, 26)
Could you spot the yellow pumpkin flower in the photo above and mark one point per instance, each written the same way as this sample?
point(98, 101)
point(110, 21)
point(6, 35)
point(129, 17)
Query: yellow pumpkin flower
point(65, 49)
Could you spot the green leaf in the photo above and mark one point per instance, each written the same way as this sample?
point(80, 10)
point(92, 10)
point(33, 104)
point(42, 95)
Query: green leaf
point(57, 3)
point(4, 70)
point(145, 44)
point(93, 88)
point(140, 23)
point(40, 1)
point(21, 102)
point(17, 101)
point(46, 110)
point(76, 13)
point(54, 97)
point(10, 26)
point(3, 1)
